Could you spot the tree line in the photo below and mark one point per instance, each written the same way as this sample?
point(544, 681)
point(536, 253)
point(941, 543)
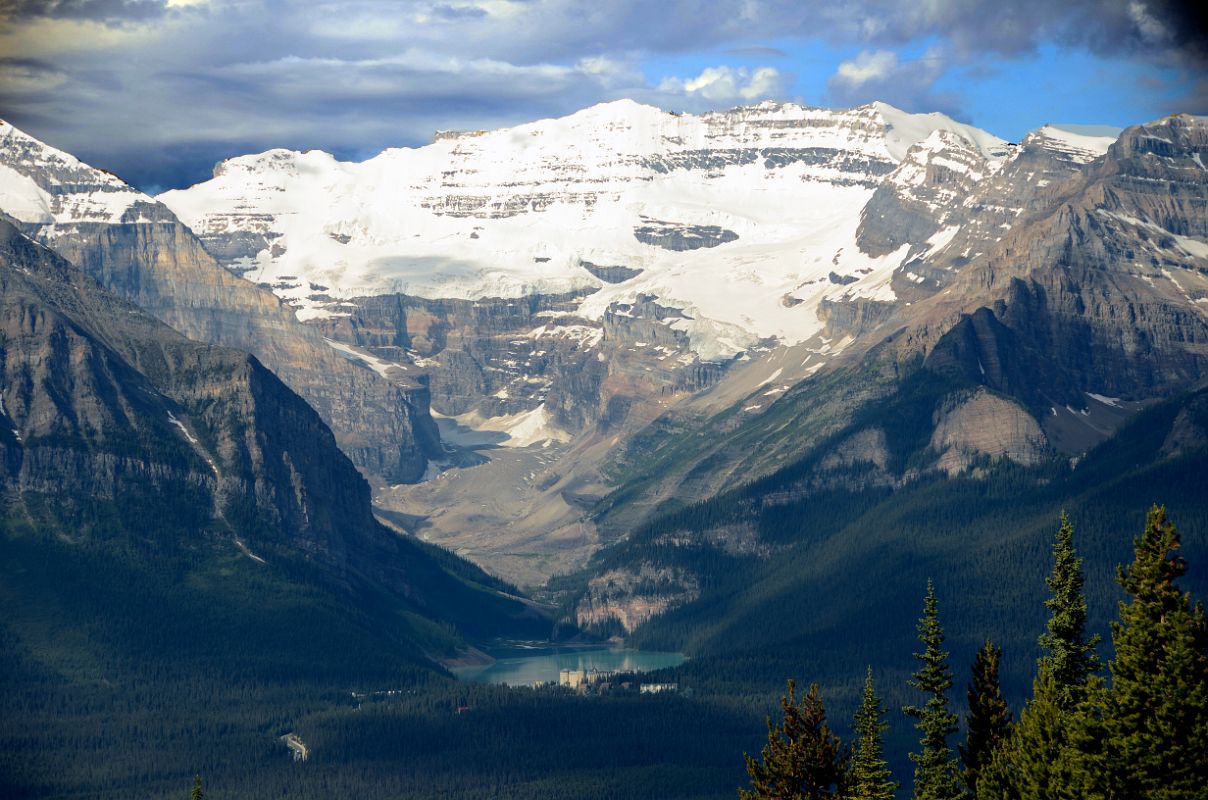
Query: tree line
point(1137, 731)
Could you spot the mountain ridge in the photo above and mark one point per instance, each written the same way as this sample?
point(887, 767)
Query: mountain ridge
point(122, 435)
point(136, 247)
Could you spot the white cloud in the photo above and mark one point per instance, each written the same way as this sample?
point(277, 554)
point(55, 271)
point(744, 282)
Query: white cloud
point(869, 65)
point(728, 84)
point(908, 83)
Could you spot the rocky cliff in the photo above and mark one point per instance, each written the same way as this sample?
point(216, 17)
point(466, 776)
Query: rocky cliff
point(120, 434)
point(497, 357)
point(1104, 291)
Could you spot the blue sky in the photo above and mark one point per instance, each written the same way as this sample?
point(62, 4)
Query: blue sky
point(159, 90)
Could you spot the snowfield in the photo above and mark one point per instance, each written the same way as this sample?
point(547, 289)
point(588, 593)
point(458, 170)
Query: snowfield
point(772, 193)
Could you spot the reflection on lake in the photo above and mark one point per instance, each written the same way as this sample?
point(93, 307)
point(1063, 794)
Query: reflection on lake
point(544, 664)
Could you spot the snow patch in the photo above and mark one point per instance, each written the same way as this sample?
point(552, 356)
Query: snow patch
point(172, 419)
point(1114, 402)
point(1077, 146)
point(243, 548)
point(4, 413)
point(1192, 247)
point(770, 378)
point(586, 335)
point(524, 429)
point(23, 199)
point(379, 365)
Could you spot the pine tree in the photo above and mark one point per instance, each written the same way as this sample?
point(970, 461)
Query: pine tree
point(197, 793)
point(870, 778)
point(989, 719)
point(803, 759)
point(1154, 717)
point(935, 773)
point(1039, 761)
point(1070, 658)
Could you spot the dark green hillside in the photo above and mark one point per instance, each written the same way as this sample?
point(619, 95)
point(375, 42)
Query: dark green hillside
point(187, 561)
point(841, 586)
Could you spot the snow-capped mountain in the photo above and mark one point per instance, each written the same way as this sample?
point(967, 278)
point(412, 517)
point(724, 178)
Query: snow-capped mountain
point(735, 218)
point(45, 186)
point(587, 289)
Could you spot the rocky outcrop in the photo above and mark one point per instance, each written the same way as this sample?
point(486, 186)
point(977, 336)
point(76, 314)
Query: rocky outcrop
point(981, 425)
point(924, 193)
point(123, 442)
point(1189, 432)
point(106, 404)
point(611, 274)
point(495, 357)
point(1094, 294)
point(863, 447)
point(739, 539)
point(854, 316)
point(678, 236)
point(382, 424)
point(627, 598)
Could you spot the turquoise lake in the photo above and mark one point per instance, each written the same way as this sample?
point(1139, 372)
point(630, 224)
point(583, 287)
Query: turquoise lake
point(545, 663)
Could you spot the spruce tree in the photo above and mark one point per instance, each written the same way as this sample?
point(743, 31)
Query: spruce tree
point(989, 719)
point(197, 793)
point(803, 759)
point(1039, 761)
point(870, 778)
point(935, 773)
point(1070, 656)
point(1154, 718)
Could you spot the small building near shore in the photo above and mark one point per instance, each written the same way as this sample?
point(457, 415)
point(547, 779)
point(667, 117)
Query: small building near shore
point(658, 688)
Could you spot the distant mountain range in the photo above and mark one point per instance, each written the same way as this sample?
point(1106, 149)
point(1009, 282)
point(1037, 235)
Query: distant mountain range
point(596, 280)
point(652, 308)
point(734, 384)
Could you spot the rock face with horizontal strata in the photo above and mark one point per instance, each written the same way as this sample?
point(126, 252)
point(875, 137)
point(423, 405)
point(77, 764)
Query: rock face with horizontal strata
point(630, 597)
point(101, 402)
point(970, 427)
point(1105, 291)
point(498, 357)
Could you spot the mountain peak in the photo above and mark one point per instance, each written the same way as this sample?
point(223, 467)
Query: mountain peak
point(277, 160)
point(42, 184)
point(1080, 148)
point(904, 128)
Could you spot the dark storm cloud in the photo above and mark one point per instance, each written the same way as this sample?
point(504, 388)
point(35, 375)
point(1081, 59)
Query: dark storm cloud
point(104, 10)
point(1168, 31)
point(1162, 29)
